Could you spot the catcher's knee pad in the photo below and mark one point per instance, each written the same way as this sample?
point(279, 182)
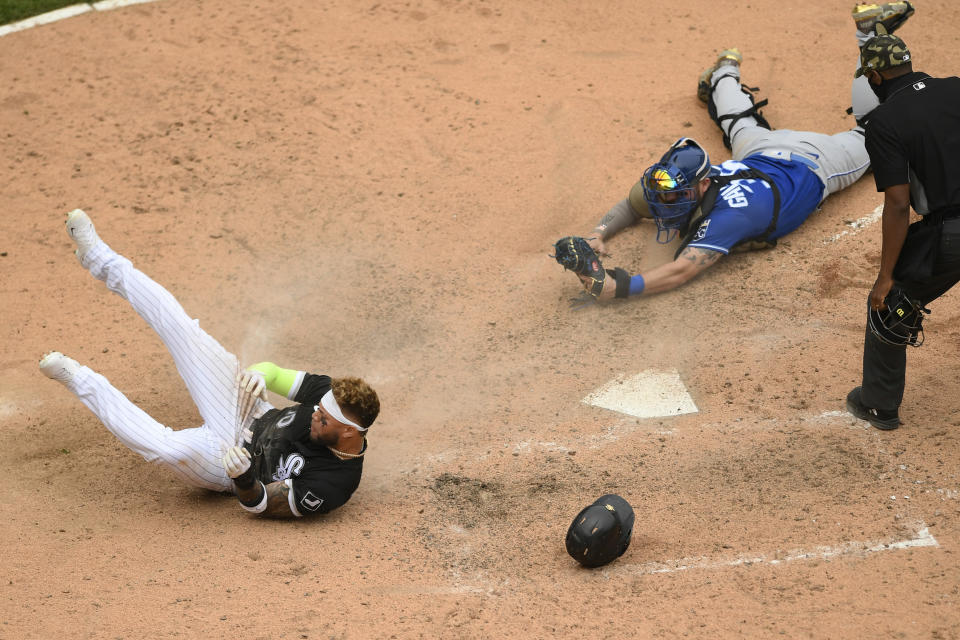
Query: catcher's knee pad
point(601, 532)
point(734, 118)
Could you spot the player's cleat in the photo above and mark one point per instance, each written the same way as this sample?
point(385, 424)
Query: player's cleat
point(891, 15)
point(59, 367)
point(727, 57)
point(80, 228)
point(883, 419)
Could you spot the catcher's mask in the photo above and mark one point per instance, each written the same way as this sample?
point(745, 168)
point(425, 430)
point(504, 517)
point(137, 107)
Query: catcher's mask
point(601, 532)
point(672, 186)
point(901, 323)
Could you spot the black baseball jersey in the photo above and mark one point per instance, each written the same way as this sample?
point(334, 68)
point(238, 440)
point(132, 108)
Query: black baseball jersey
point(282, 450)
point(913, 138)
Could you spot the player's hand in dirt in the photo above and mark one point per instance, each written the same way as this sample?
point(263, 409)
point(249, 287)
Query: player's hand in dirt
point(609, 287)
point(597, 244)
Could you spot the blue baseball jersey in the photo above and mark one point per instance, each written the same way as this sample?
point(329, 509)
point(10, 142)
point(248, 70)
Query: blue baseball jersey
point(744, 208)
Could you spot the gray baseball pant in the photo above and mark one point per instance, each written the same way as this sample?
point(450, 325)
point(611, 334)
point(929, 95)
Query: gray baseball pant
point(839, 160)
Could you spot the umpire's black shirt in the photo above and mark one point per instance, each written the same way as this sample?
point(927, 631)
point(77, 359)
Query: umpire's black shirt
point(913, 138)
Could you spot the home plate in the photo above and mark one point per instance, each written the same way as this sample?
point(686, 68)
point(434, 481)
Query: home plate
point(648, 394)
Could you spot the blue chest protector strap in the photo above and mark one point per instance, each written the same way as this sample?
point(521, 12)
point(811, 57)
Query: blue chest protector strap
point(761, 241)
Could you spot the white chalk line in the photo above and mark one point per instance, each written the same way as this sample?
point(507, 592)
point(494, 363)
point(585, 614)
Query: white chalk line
point(66, 12)
point(922, 538)
point(478, 585)
point(859, 224)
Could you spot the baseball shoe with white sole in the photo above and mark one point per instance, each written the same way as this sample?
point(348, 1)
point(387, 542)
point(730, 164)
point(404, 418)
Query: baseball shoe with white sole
point(59, 367)
point(80, 228)
point(727, 57)
point(891, 15)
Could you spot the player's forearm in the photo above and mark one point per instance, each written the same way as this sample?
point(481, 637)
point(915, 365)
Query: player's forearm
point(665, 277)
point(896, 222)
point(278, 500)
point(278, 380)
point(673, 274)
point(249, 494)
point(269, 500)
point(619, 217)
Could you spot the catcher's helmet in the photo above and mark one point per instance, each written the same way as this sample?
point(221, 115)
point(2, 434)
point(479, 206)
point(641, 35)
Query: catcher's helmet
point(671, 186)
point(601, 532)
point(901, 323)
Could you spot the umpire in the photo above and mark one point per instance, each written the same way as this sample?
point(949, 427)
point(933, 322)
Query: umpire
point(913, 139)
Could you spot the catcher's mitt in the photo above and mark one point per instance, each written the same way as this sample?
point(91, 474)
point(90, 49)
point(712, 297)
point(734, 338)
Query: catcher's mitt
point(573, 253)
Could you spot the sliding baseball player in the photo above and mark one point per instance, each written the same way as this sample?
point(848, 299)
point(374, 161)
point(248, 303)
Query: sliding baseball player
point(299, 461)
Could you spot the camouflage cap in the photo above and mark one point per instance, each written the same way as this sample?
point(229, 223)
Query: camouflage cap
point(883, 51)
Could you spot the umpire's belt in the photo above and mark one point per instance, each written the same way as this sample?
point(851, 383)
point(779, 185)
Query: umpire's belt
point(937, 217)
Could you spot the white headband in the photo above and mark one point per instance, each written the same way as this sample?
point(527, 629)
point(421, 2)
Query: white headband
point(330, 404)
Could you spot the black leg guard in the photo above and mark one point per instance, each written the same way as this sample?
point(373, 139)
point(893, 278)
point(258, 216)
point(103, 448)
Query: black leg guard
point(752, 112)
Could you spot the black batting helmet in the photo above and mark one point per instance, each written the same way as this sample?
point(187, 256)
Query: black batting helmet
point(601, 532)
point(901, 323)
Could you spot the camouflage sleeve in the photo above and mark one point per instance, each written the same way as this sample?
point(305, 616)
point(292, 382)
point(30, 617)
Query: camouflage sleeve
point(619, 217)
point(639, 204)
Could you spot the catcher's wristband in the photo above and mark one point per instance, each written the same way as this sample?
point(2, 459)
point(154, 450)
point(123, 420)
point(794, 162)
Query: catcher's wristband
point(257, 505)
point(246, 479)
point(622, 278)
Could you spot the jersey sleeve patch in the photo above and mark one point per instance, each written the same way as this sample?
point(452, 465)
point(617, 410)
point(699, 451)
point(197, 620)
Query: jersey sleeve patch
point(310, 501)
point(699, 236)
point(306, 504)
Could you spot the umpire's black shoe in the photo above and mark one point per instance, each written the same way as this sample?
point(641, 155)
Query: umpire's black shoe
point(883, 419)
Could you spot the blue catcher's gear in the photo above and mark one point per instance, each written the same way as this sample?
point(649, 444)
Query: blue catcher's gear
point(671, 186)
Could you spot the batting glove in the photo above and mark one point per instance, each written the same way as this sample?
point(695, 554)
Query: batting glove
point(236, 461)
point(250, 387)
point(252, 383)
point(237, 464)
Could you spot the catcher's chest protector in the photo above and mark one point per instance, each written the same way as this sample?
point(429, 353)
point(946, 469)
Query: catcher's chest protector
point(702, 212)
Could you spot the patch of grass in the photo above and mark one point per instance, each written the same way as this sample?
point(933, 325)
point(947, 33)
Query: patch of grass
point(14, 10)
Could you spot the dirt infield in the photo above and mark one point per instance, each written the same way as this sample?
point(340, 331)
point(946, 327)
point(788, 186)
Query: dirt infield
point(372, 189)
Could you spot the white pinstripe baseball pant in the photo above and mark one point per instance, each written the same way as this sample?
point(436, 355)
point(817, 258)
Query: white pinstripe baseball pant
point(209, 370)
